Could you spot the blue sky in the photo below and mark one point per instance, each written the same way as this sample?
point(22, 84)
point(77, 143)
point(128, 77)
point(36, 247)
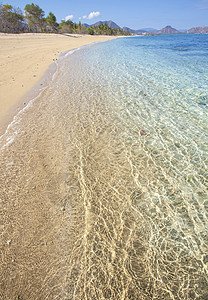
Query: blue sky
point(181, 14)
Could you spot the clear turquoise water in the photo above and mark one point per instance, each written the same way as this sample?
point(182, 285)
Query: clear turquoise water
point(138, 204)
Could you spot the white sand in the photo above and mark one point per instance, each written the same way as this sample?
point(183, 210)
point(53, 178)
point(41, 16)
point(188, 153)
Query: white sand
point(24, 58)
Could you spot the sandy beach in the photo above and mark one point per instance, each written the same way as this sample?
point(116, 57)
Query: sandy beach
point(24, 58)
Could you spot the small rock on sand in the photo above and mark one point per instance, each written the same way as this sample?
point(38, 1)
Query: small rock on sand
point(143, 132)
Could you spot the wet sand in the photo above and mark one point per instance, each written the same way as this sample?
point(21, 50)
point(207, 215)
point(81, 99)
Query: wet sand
point(24, 58)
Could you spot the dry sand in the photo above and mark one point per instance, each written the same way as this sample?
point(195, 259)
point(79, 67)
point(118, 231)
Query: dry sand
point(24, 59)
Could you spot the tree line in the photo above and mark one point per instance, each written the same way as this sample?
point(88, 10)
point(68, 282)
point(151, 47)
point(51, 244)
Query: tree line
point(13, 20)
point(106, 30)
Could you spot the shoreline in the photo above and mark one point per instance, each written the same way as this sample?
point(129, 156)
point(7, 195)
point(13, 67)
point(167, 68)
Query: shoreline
point(28, 63)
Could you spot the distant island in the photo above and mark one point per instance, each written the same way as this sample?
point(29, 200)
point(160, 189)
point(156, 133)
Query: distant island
point(13, 20)
point(198, 30)
point(171, 30)
point(167, 30)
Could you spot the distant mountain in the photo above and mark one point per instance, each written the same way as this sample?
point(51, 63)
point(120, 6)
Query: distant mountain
point(109, 23)
point(134, 31)
point(198, 30)
point(128, 29)
point(167, 30)
point(86, 25)
point(148, 29)
point(114, 25)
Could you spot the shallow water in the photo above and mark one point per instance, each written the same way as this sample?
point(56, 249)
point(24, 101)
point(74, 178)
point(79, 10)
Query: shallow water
point(133, 207)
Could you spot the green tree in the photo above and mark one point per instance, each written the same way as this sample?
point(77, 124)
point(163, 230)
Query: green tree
point(10, 19)
point(80, 26)
point(66, 26)
point(83, 30)
point(51, 22)
point(35, 16)
point(51, 19)
point(90, 31)
point(75, 27)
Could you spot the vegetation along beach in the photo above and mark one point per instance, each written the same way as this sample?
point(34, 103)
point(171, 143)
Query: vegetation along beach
point(103, 157)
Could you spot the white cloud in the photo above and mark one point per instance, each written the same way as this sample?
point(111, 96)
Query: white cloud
point(70, 17)
point(92, 15)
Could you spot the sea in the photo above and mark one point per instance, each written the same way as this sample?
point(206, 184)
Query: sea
point(118, 144)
